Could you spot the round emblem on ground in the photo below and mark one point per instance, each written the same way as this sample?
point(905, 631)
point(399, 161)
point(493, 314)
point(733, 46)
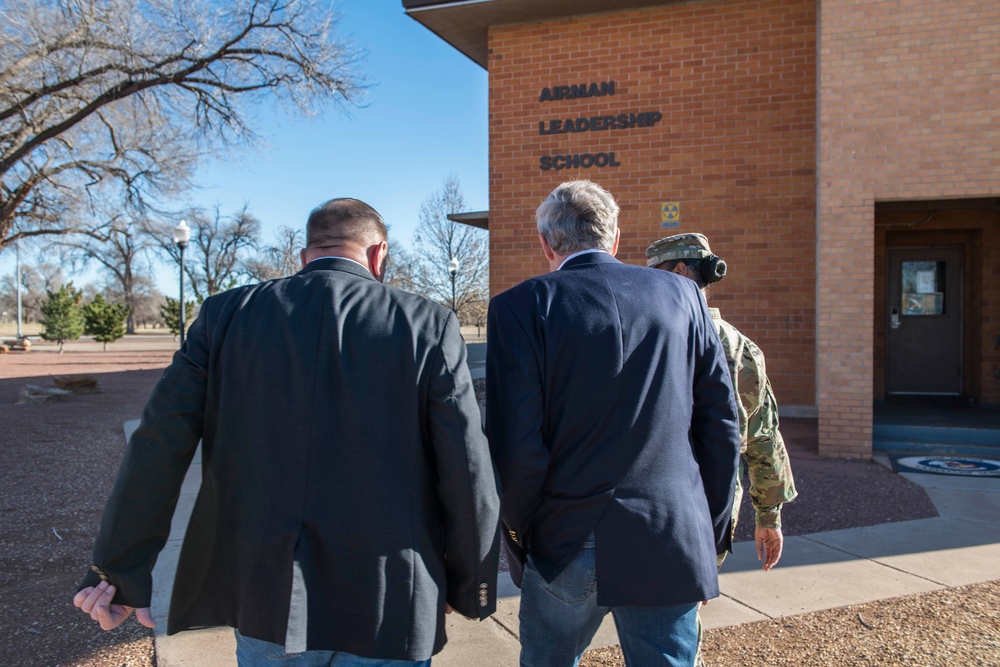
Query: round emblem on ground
point(950, 465)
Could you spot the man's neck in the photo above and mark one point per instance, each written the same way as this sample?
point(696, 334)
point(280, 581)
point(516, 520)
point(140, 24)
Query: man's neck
point(339, 251)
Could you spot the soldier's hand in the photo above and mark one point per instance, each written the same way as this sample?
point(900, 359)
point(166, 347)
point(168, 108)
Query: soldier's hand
point(769, 543)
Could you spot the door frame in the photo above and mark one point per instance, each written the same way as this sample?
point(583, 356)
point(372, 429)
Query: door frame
point(958, 227)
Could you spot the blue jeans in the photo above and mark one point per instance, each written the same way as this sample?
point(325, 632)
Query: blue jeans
point(252, 652)
point(559, 619)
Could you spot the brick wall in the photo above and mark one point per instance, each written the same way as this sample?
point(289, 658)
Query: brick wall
point(735, 84)
point(909, 111)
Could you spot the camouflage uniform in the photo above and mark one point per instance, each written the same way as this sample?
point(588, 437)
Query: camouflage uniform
point(762, 450)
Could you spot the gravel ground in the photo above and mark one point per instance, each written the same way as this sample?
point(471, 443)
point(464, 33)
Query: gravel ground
point(59, 460)
point(957, 626)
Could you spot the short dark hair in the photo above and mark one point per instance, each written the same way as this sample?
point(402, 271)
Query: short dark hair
point(344, 220)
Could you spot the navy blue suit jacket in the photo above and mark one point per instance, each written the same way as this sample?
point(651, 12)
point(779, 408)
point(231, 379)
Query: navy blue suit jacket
point(610, 410)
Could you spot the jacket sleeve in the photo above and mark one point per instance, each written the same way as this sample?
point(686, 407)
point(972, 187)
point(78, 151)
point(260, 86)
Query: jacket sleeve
point(770, 472)
point(137, 516)
point(715, 428)
point(466, 482)
point(514, 422)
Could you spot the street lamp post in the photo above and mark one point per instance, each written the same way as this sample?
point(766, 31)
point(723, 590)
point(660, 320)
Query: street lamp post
point(453, 269)
point(182, 234)
point(18, 279)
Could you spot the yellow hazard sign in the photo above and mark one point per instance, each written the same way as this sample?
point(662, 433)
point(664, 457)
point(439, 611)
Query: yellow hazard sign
point(670, 214)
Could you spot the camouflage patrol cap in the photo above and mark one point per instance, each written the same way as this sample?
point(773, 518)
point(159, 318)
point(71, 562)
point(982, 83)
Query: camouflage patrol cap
point(678, 246)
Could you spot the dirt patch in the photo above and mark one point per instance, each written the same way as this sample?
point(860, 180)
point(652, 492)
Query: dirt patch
point(59, 461)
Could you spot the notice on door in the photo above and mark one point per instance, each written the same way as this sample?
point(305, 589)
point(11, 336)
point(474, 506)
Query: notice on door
point(926, 282)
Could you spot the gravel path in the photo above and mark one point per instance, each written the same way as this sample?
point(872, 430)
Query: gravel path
point(956, 626)
point(59, 460)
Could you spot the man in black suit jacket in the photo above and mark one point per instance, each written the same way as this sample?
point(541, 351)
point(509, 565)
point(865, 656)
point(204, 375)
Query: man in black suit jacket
point(613, 426)
point(348, 499)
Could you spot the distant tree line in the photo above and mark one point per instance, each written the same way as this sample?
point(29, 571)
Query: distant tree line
point(225, 250)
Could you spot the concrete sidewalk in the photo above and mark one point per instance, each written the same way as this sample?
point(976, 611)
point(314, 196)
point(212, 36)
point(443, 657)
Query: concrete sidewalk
point(818, 571)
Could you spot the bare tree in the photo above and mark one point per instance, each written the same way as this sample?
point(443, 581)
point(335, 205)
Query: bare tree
point(126, 94)
point(438, 240)
point(36, 281)
point(144, 301)
point(400, 269)
point(122, 248)
point(475, 315)
point(219, 247)
point(151, 311)
point(278, 259)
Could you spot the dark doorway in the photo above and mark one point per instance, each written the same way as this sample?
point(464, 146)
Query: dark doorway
point(924, 331)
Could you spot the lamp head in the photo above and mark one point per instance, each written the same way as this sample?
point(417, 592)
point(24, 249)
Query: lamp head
point(182, 234)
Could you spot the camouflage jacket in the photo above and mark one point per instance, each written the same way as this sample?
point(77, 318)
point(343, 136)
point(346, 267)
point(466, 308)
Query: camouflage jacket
point(761, 448)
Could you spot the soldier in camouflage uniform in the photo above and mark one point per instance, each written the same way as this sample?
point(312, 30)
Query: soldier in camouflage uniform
point(762, 451)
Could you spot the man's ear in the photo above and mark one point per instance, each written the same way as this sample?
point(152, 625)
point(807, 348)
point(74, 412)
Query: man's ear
point(377, 256)
point(302, 257)
point(546, 248)
point(618, 236)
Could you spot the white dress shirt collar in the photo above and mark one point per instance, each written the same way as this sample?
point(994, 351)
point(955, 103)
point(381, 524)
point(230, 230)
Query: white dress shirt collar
point(582, 252)
point(339, 257)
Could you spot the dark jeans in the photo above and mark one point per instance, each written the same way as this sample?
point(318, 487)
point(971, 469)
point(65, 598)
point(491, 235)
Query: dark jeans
point(559, 619)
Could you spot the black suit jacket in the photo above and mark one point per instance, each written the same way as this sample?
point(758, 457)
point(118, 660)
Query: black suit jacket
point(610, 410)
point(340, 429)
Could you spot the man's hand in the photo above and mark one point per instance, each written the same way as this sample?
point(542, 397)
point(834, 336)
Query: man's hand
point(769, 542)
point(96, 601)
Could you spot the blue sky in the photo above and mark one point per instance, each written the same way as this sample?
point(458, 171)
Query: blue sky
point(425, 118)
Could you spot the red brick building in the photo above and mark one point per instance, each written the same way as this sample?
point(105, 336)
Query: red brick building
point(842, 156)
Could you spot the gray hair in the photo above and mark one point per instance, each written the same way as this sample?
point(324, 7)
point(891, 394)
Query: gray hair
point(578, 215)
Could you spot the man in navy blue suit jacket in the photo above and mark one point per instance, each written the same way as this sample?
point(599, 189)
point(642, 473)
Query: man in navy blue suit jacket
point(613, 425)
